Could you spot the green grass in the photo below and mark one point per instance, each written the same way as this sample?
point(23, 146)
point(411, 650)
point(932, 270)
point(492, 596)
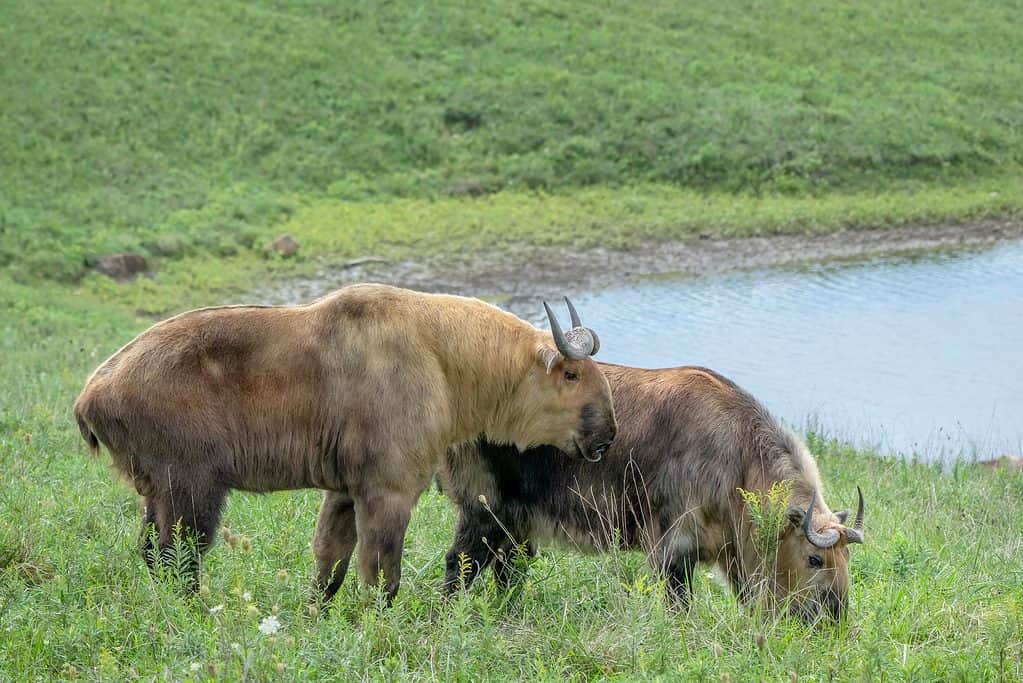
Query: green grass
point(194, 128)
point(196, 132)
point(937, 590)
point(512, 225)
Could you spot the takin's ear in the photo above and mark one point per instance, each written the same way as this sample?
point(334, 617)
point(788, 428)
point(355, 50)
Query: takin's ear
point(842, 516)
point(795, 515)
point(548, 356)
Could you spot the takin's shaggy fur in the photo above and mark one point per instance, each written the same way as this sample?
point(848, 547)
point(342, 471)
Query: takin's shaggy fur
point(688, 439)
point(358, 393)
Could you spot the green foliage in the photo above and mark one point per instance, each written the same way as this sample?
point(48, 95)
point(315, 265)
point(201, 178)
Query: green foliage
point(769, 513)
point(464, 568)
point(194, 129)
point(511, 225)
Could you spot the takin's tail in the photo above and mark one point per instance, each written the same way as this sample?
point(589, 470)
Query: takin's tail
point(90, 437)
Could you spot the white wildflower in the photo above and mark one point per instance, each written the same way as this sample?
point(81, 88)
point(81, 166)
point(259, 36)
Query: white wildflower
point(194, 666)
point(269, 626)
point(216, 608)
point(247, 596)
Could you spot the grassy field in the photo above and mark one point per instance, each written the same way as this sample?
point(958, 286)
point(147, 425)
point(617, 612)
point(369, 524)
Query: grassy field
point(937, 590)
point(196, 132)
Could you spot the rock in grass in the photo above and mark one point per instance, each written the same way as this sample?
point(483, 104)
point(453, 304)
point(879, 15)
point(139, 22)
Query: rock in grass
point(285, 245)
point(1011, 463)
point(470, 187)
point(122, 267)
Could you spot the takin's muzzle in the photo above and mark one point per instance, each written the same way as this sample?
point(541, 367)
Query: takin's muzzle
point(596, 432)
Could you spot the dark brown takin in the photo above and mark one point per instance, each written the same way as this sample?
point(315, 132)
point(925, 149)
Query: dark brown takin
point(688, 441)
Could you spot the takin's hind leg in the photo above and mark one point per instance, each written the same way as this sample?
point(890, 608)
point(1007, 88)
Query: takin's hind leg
point(187, 520)
point(334, 542)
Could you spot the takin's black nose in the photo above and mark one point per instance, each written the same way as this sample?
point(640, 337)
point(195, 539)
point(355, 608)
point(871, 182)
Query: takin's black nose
point(833, 604)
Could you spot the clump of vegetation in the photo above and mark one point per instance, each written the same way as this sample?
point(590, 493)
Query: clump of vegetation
point(769, 513)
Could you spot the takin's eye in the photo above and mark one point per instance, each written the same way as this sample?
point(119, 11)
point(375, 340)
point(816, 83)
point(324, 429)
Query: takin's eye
point(815, 562)
point(570, 376)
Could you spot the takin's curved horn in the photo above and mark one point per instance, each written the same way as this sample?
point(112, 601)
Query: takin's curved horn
point(596, 341)
point(855, 534)
point(821, 540)
point(577, 323)
point(579, 342)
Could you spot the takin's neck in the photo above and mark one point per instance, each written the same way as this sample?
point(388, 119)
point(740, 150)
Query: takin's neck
point(789, 464)
point(777, 455)
point(486, 355)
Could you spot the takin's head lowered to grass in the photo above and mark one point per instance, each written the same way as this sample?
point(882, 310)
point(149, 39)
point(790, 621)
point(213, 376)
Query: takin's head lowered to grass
point(804, 565)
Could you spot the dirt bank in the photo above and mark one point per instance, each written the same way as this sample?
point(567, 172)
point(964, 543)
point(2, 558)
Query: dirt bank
point(520, 279)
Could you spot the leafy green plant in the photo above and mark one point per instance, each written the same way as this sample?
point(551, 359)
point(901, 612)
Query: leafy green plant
point(769, 513)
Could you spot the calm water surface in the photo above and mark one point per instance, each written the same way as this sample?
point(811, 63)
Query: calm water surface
point(912, 355)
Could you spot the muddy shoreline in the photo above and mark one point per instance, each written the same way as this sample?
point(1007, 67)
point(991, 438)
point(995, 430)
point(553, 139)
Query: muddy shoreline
point(519, 280)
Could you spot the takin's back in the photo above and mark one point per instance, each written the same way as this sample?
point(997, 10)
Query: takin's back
point(256, 395)
point(687, 439)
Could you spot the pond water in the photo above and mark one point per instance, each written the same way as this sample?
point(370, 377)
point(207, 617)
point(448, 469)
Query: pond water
point(914, 356)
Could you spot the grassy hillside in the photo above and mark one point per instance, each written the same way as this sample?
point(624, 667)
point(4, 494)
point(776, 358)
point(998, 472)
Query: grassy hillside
point(193, 127)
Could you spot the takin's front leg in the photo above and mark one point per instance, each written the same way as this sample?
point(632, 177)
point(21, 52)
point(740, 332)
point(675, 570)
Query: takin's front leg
point(679, 576)
point(150, 531)
point(381, 520)
point(334, 542)
point(482, 536)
